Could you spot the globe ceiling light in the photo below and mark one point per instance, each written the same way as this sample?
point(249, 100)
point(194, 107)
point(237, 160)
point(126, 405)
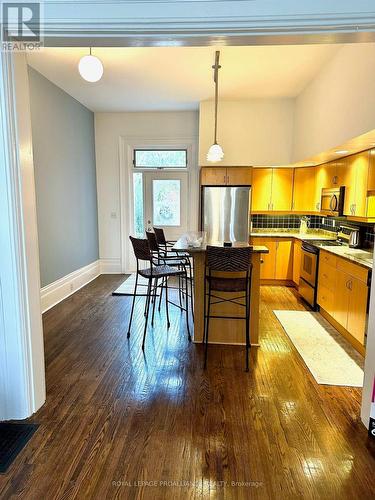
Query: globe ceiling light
point(216, 153)
point(90, 68)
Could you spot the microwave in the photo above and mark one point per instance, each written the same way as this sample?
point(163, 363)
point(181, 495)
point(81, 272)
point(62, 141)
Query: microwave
point(332, 201)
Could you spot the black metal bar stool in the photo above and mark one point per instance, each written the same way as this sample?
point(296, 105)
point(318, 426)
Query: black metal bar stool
point(227, 261)
point(166, 246)
point(153, 273)
point(174, 261)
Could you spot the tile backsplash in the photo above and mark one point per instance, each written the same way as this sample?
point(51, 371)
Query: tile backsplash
point(332, 224)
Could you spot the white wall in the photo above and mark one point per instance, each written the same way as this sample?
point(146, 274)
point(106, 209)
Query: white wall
point(251, 132)
point(338, 105)
point(109, 129)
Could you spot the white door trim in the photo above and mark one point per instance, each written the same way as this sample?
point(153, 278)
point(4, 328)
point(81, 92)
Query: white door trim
point(21, 343)
point(126, 147)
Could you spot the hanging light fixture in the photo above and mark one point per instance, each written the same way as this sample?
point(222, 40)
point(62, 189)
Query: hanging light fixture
point(216, 153)
point(90, 68)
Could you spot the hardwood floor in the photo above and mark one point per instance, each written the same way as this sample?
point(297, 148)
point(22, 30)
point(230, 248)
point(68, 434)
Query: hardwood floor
point(115, 417)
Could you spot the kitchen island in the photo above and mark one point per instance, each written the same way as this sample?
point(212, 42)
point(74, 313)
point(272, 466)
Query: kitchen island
point(223, 331)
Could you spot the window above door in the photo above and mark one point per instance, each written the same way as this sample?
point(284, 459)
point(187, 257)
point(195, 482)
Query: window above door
point(160, 158)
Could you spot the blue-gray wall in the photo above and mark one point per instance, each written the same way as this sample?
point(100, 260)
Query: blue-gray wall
point(65, 179)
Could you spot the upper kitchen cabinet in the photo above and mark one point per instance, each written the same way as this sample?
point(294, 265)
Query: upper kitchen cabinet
point(239, 176)
point(304, 190)
point(213, 176)
point(262, 190)
point(331, 174)
point(355, 181)
point(233, 176)
point(272, 189)
point(371, 171)
point(282, 189)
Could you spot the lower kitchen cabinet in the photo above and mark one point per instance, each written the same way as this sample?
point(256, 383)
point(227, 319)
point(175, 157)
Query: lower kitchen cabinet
point(278, 263)
point(343, 293)
point(357, 311)
point(284, 259)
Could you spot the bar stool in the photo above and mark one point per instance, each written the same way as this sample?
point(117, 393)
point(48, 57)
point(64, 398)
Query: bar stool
point(154, 273)
point(166, 246)
point(227, 261)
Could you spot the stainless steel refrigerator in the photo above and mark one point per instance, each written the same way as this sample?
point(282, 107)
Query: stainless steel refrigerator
point(226, 213)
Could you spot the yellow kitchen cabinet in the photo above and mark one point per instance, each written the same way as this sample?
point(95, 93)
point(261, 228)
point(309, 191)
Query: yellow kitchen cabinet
point(343, 293)
point(232, 176)
point(371, 185)
point(297, 244)
point(357, 312)
point(304, 190)
point(350, 304)
point(326, 174)
point(261, 190)
point(267, 269)
point(278, 263)
point(272, 189)
point(284, 259)
point(341, 166)
point(213, 176)
point(282, 189)
point(371, 171)
point(355, 182)
point(239, 176)
point(341, 300)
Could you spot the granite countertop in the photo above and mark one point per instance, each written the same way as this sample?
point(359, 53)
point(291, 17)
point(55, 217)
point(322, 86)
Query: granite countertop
point(311, 235)
point(182, 244)
point(363, 258)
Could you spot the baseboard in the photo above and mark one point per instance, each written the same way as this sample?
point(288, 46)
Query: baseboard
point(110, 266)
point(67, 285)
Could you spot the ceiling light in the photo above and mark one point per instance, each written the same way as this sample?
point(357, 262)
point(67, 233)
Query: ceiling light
point(342, 152)
point(90, 68)
point(216, 153)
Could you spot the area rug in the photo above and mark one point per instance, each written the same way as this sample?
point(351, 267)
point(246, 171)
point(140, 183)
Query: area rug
point(328, 356)
point(13, 438)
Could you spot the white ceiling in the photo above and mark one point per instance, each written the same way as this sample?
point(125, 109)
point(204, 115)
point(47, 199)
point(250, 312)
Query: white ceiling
point(177, 78)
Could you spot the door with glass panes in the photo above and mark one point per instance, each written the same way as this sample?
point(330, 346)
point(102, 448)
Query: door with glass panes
point(160, 194)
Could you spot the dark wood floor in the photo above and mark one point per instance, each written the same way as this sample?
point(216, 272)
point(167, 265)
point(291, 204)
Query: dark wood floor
point(115, 416)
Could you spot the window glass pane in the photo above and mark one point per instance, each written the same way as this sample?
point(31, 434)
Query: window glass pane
point(153, 158)
point(166, 202)
point(138, 205)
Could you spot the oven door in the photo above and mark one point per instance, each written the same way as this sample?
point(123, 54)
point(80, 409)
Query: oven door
point(309, 262)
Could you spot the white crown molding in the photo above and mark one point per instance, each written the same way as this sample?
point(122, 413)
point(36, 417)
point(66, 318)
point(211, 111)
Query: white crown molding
point(196, 22)
point(67, 285)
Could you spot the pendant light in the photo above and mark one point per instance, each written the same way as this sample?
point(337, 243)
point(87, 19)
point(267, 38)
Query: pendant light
point(90, 68)
point(216, 153)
